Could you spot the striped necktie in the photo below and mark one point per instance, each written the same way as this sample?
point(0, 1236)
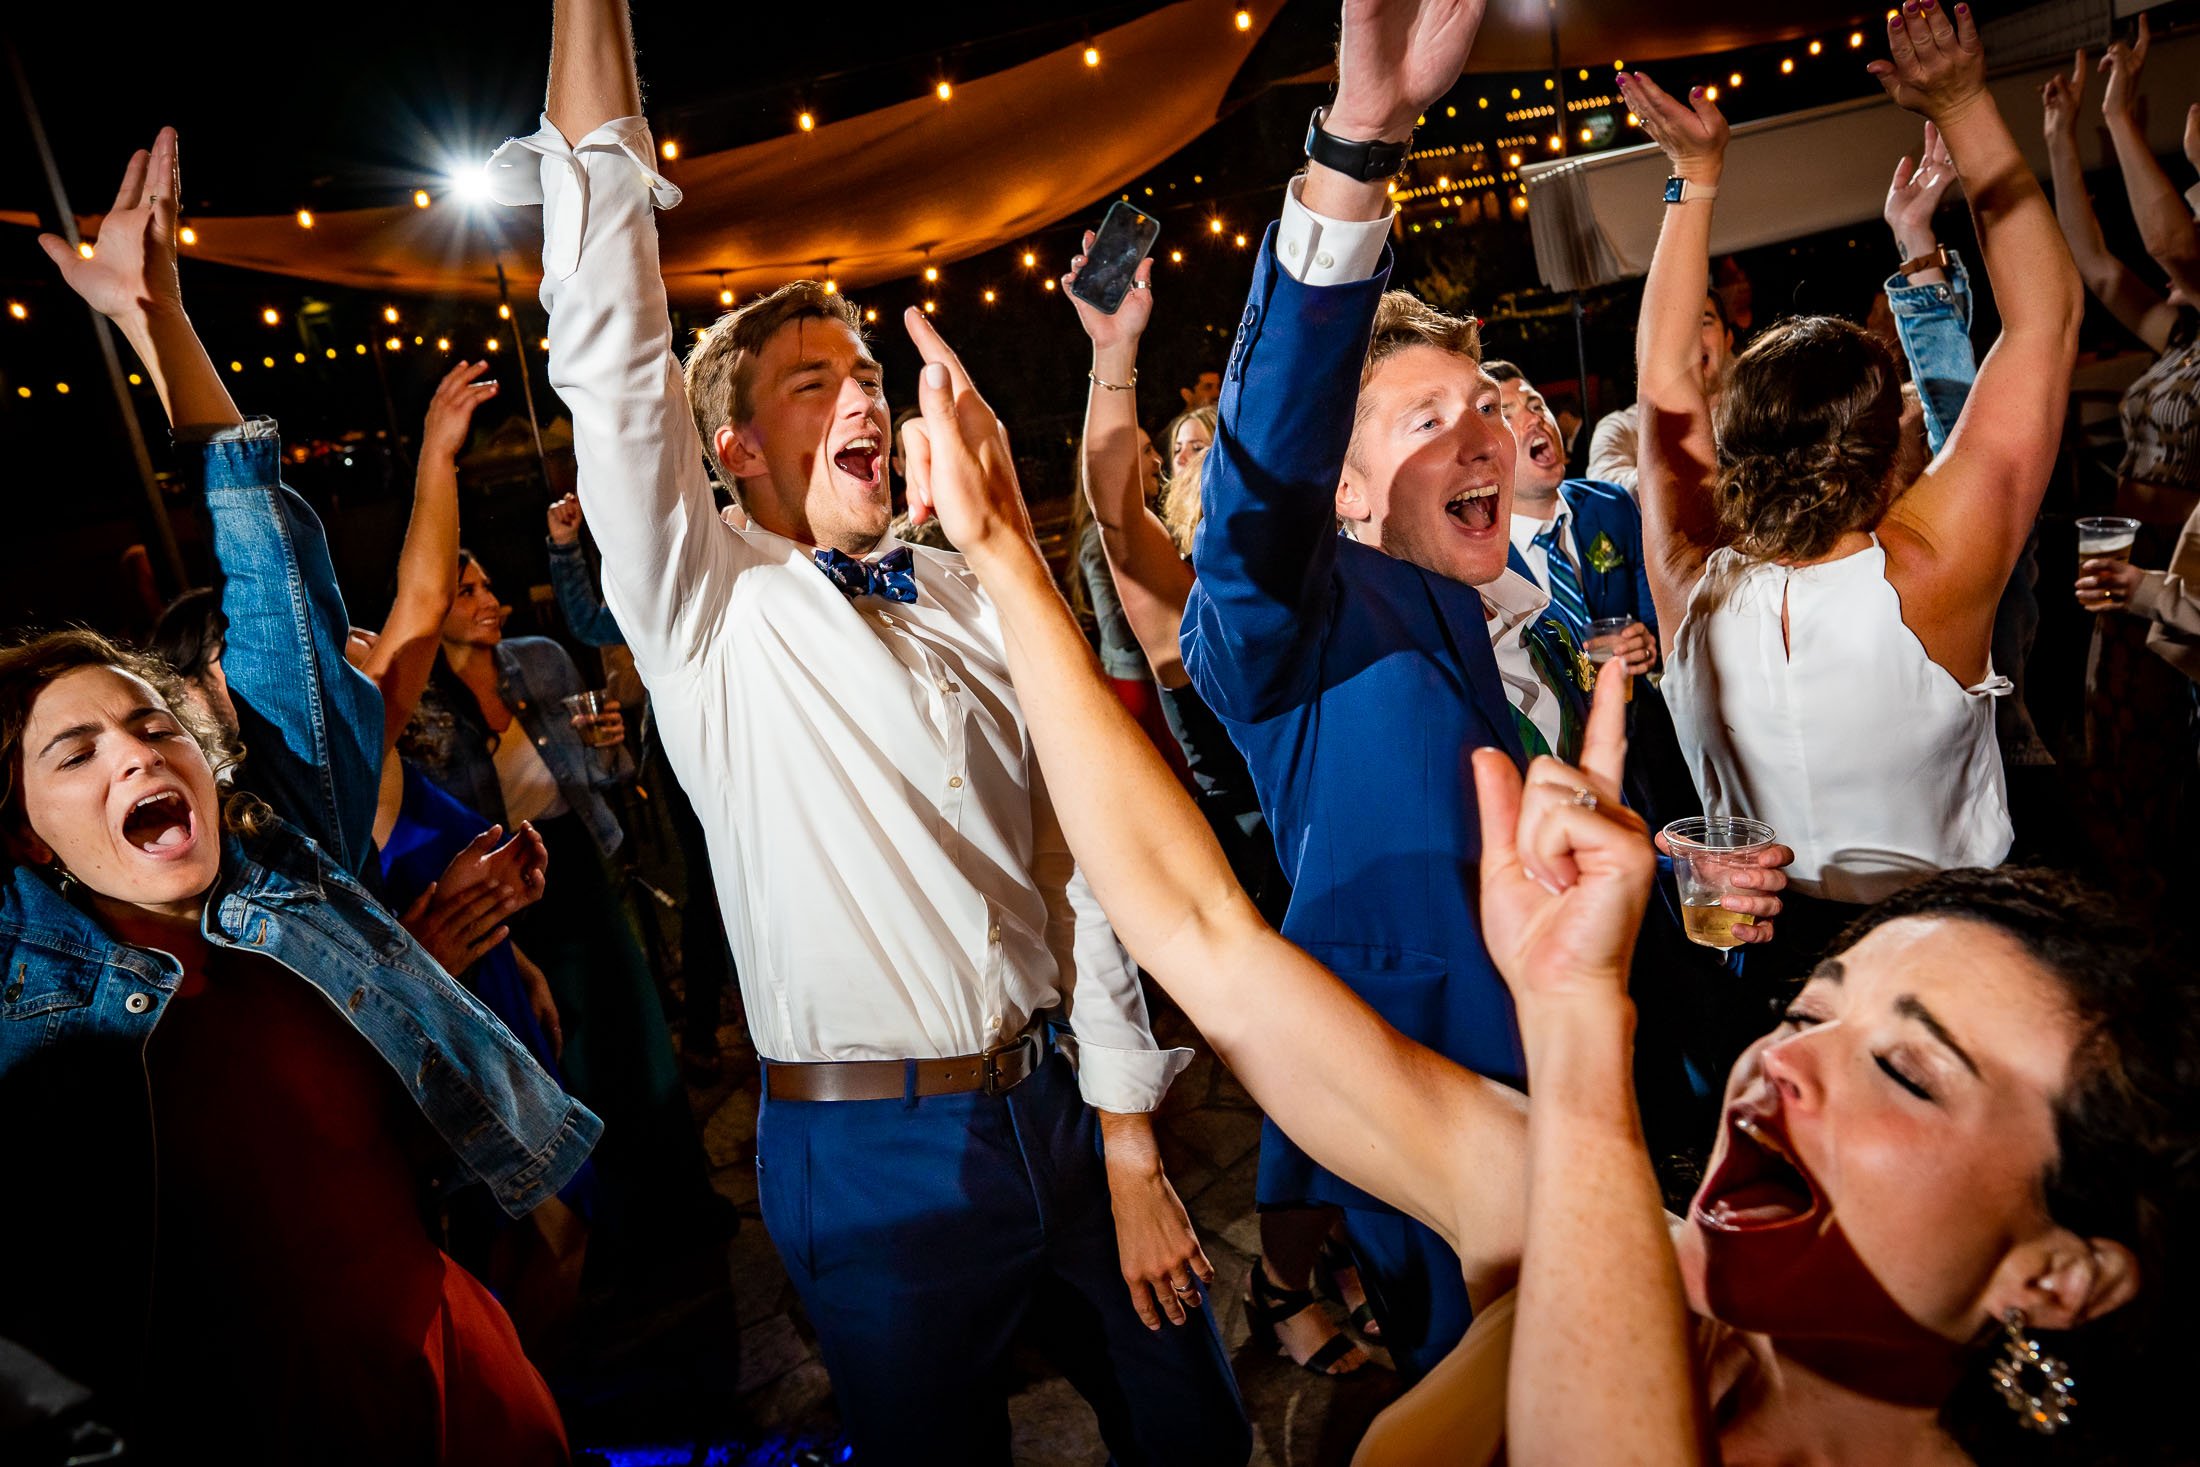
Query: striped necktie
point(1567, 601)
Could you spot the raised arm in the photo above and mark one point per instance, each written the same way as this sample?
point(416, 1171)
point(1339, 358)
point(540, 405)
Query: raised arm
point(2129, 299)
point(1965, 521)
point(1676, 457)
point(312, 724)
point(427, 565)
point(1931, 306)
point(1267, 541)
point(2166, 225)
point(1151, 578)
point(667, 560)
point(1384, 1113)
point(575, 583)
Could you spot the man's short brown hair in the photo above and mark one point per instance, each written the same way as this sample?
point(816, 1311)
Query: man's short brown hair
point(720, 368)
point(1403, 319)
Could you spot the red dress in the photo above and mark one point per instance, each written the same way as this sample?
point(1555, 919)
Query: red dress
point(301, 1310)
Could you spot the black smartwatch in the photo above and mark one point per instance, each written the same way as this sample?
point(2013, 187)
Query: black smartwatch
point(1366, 162)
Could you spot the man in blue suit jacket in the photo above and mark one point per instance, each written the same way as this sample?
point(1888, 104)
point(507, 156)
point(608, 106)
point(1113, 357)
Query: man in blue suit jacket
point(1358, 672)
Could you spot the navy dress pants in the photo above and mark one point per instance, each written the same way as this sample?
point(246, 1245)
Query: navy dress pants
point(922, 1233)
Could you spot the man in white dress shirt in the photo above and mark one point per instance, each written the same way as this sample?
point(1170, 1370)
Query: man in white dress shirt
point(912, 936)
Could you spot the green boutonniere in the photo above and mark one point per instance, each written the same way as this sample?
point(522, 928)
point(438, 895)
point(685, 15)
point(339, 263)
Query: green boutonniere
point(1578, 663)
point(1604, 556)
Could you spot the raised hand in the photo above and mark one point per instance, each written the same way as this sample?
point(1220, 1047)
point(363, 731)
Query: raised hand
point(1395, 57)
point(1129, 321)
point(1914, 196)
point(2122, 64)
point(565, 520)
point(1566, 866)
point(1937, 67)
point(451, 410)
point(1693, 136)
point(459, 931)
point(133, 270)
point(520, 864)
point(960, 467)
point(2059, 99)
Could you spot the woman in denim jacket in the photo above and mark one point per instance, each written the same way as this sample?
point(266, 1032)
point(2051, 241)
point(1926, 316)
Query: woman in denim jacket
point(236, 1079)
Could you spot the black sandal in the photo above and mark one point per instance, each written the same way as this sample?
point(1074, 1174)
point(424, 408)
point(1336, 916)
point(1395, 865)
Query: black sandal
point(1334, 1259)
point(1268, 1306)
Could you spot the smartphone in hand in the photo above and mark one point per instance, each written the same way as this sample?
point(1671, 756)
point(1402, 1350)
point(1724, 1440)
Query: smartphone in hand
point(1123, 239)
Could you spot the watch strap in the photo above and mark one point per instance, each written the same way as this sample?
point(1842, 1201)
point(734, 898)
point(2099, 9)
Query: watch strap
point(1369, 162)
point(1935, 259)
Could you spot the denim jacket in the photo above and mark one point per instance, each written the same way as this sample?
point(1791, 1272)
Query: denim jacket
point(77, 1006)
point(1934, 322)
point(586, 616)
point(452, 742)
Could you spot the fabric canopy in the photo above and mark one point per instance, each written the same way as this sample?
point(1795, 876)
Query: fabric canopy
point(863, 199)
point(1516, 34)
point(1595, 218)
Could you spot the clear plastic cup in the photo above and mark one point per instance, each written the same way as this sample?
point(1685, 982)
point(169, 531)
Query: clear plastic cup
point(2104, 537)
point(1708, 850)
point(1602, 645)
point(588, 709)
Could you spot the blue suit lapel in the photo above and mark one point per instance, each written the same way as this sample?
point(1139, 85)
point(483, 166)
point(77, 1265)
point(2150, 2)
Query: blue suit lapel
point(1459, 612)
point(1515, 560)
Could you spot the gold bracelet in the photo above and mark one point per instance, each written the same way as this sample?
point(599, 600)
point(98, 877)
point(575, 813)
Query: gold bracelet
point(1098, 381)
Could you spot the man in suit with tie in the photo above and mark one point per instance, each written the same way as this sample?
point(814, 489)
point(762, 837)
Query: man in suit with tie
point(1580, 540)
point(1357, 672)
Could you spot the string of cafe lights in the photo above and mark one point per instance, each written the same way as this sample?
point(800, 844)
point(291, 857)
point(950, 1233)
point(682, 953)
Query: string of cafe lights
point(1487, 168)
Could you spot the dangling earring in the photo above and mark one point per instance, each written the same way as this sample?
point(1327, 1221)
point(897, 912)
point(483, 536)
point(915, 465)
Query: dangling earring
point(2020, 1367)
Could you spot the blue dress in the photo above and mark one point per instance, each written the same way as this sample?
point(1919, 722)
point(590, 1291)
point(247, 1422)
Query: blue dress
point(432, 828)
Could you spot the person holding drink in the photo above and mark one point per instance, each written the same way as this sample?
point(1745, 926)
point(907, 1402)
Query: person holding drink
point(1580, 540)
point(1827, 651)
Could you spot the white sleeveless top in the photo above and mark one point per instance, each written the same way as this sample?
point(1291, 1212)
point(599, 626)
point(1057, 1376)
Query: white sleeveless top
point(1859, 750)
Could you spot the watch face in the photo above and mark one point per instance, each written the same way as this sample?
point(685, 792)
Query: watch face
point(1673, 188)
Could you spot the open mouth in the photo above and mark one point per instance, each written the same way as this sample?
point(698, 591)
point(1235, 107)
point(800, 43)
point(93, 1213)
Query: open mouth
point(1542, 452)
point(1757, 1183)
point(859, 458)
point(1474, 509)
point(160, 824)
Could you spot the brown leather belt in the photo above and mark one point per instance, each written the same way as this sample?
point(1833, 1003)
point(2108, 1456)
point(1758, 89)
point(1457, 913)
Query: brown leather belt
point(995, 1072)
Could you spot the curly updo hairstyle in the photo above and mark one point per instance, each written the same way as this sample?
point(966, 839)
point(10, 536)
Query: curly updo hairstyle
point(1809, 428)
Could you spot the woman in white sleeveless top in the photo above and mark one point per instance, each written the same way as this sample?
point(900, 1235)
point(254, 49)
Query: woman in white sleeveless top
point(1826, 623)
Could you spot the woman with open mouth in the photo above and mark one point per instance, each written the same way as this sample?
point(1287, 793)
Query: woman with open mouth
point(237, 1081)
point(1950, 1213)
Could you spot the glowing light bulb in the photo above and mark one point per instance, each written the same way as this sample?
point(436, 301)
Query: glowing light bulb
point(1733, 78)
point(725, 297)
point(1030, 259)
point(1516, 94)
point(236, 366)
point(389, 314)
point(62, 388)
point(504, 312)
point(543, 345)
point(85, 249)
point(944, 90)
point(806, 122)
point(989, 297)
point(494, 345)
point(871, 314)
point(420, 198)
point(1048, 283)
point(393, 344)
point(1092, 56)
point(1513, 159)
point(1245, 20)
point(305, 218)
point(1550, 84)
point(1214, 226)
point(1586, 134)
point(1856, 40)
point(1787, 66)
point(331, 353)
point(22, 392)
point(1482, 102)
point(1817, 48)
point(930, 307)
point(18, 310)
point(1241, 241)
point(1176, 257)
point(1711, 93)
point(267, 361)
point(443, 343)
point(360, 349)
point(931, 272)
point(670, 149)
point(188, 235)
point(136, 380)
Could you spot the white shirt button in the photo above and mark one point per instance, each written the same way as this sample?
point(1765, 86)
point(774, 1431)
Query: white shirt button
point(993, 932)
point(954, 781)
point(883, 619)
point(1325, 260)
point(1291, 248)
point(993, 1021)
point(946, 686)
point(138, 1003)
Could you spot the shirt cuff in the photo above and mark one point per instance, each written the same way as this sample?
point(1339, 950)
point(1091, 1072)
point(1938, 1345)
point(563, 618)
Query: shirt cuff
point(195, 435)
point(1126, 1081)
point(2147, 597)
point(524, 170)
point(1316, 250)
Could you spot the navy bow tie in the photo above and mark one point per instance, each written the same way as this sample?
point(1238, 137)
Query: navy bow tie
point(889, 577)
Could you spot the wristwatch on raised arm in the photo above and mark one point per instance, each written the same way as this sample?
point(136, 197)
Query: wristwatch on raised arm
point(1935, 258)
point(1679, 190)
point(1365, 162)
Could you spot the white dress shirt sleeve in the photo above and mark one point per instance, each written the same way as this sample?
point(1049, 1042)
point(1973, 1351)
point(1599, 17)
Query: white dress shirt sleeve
point(1119, 1067)
point(1612, 449)
point(668, 563)
point(1317, 250)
